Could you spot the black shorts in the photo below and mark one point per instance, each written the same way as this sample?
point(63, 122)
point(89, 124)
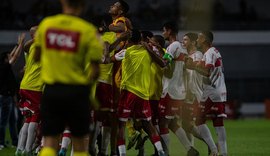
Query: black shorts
point(65, 105)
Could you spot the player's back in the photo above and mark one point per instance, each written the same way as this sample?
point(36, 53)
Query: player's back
point(67, 43)
point(136, 68)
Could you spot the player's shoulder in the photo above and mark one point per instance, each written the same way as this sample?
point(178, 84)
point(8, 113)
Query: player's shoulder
point(213, 50)
point(198, 53)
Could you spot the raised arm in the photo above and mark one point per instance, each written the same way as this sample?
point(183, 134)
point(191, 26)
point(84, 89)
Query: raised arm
point(15, 53)
point(161, 62)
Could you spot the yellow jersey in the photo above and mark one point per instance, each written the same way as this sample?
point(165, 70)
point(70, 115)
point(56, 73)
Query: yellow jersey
point(106, 70)
point(68, 43)
point(136, 68)
point(156, 81)
point(31, 78)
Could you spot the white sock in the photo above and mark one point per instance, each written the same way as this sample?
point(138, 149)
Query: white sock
point(65, 140)
point(221, 133)
point(97, 131)
point(23, 137)
point(106, 137)
point(157, 128)
point(122, 150)
point(182, 137)
point(207, 137)
point(190, 138)
point(166, 140)
point(158, 146)
point(31, 136)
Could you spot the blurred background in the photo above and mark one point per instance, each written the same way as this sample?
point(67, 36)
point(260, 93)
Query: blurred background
point(241, 30)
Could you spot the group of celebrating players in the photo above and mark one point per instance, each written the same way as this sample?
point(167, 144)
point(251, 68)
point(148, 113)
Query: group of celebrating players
point(130, 81)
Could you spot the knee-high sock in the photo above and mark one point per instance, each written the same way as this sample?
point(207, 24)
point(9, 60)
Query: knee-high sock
point(190, 138)
point(66, 140)
point(31, 136)
point(94, 139)
point(164, 133)
point(221, 132)
point(207, 137)
point(23, 137)
point(106, 137)
point(182, 137)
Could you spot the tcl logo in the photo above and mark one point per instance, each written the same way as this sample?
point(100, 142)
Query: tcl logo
point(62, 40)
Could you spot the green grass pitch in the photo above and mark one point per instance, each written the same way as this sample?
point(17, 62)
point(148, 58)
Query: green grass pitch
point(245, 137)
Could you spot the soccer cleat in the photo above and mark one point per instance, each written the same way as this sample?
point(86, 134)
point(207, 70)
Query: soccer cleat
point(132, 140)
point(193, 152)
point(213, 154)
point(18, 152)
point(161, 153)
point(62, 152)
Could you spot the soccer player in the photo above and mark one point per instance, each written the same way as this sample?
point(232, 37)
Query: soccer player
point(105, 115)
point(65, 44)
point(134, 98)
point(30, 93)
point(174, 91)
point(193, 84)
point(214, 93)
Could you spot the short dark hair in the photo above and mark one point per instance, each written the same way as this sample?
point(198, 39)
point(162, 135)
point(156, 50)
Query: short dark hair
point(135, 36)
point(76, 3)
point(146, 33)
point(192, 36)
point(208, 35)
point(160, 39)
point(124, 6)
point(172, 26)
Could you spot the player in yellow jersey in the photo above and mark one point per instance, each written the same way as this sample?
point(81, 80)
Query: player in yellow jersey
point(134, 98)
point(30, 95)
point(65, 44)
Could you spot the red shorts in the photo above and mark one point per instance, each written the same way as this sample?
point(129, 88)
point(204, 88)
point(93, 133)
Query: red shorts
point(170, 108)
point(30, 101)
point(210, 109)
point(132, 106)
point(104, 96)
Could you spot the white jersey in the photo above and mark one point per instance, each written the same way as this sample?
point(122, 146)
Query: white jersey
point(214, 85)
point(175, 85)
point(194, 81)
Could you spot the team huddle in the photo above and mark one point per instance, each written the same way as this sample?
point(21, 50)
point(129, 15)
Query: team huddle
point(84, 85)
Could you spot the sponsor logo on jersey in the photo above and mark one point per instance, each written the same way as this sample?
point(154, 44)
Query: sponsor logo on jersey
point(63, 40)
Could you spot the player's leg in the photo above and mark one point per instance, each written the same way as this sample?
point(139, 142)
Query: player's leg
point(202, 128)
point(164, 120)
point(66, 140)
point(218, 123)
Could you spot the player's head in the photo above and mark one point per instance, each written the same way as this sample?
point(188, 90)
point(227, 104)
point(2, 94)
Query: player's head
point(170, 29)
point(205, 38)
point(146, 34)
point(189, 40)
point(158, 39)
point(135, 36)
point(119, 8)
point(33, 31)
point(77, 5)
